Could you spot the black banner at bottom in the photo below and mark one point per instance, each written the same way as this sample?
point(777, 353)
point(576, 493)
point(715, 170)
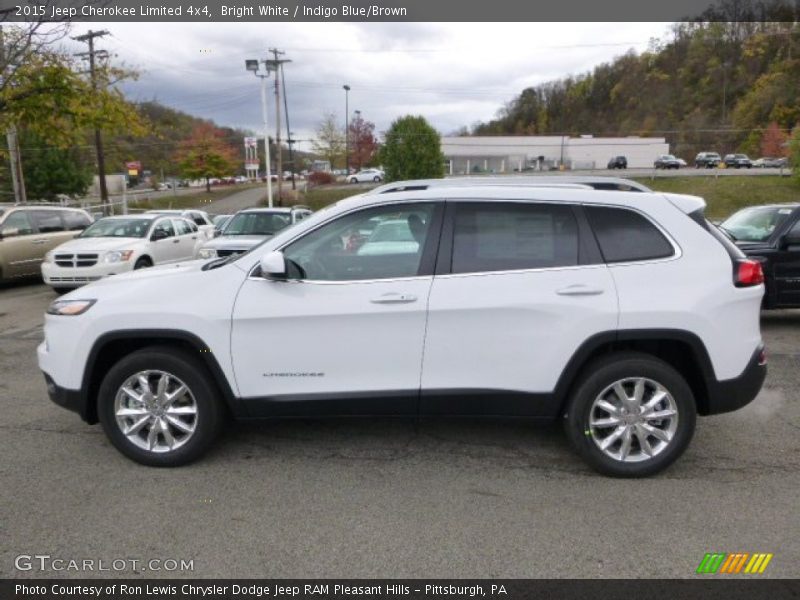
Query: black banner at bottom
point(733, 588)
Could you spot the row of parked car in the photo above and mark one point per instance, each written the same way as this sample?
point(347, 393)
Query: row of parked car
point(706, 160)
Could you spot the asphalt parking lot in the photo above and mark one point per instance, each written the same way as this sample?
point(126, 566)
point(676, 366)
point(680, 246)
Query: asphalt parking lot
point(392, 499)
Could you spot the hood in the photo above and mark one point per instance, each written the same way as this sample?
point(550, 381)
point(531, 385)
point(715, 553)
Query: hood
point(150, 273)
point(235, 242)
point(98, 244)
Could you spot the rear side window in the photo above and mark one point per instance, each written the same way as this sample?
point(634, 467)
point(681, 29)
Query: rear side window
point(199, 219)
point(511, 236)
point(625, 235)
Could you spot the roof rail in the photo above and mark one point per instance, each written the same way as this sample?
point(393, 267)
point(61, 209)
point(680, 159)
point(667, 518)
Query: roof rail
point(594, 182)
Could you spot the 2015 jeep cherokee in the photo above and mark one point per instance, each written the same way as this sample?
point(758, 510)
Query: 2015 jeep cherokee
point(623, 314)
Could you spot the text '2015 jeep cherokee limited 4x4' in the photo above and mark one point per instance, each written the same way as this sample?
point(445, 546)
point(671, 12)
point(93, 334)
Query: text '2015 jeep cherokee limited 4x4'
point(623, 314)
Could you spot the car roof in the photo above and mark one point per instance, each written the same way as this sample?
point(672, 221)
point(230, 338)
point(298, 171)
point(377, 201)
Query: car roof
point(144, 216)
point(775, 205)
point(274, 209)
point(570, 181)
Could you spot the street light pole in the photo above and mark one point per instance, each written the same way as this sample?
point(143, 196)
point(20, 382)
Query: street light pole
point(346, 89)
point(252, 65)
point(357, 122)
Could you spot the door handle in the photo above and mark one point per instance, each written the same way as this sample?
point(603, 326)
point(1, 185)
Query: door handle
point(176, 241)
point(38, 242)
point(579, 290)
point(394, 298)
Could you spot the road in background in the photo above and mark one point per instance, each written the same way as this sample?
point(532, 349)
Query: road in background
point(383, 498)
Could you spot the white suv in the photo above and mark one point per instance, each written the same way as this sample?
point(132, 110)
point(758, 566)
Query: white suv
point(624, 314)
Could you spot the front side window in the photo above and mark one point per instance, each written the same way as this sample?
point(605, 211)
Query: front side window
point(17, 223)
point(625, 235)
point(379, 243)
point(513, 236)
point(165, 225)
point(76, 221)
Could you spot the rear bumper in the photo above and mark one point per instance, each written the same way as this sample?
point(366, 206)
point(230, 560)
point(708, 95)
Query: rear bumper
point(732, 394)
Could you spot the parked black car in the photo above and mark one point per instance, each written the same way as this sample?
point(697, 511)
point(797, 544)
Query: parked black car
point(667, 161)
point(707, 160)
point(618, 162)
point(771, 235)
point(737, 161)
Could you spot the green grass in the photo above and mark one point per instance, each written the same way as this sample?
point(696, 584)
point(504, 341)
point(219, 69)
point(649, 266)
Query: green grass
point(322, 196)
point(726, 195)
point(185, 200)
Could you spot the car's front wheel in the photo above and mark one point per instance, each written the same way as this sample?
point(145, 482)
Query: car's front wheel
point(353, 180)
point(630, 415)
point(158, 407)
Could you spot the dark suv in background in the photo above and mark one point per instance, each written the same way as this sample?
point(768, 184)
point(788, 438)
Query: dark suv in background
point(771, 235)
point(737, 161)
point(707, 160)
point(618, 162)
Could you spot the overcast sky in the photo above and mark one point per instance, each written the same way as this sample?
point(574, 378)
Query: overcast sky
point(453, 74)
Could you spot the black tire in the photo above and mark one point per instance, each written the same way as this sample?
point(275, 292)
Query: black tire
point(143, 263)
point(353, 180)
point(600, 374)
point(191, 372)
point(376, 179)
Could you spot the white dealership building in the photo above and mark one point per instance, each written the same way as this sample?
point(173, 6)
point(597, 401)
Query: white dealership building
point(508, 154)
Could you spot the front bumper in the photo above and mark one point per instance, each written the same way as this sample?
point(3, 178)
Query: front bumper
point(73, 277)
point(732, 394)
point(73, 400)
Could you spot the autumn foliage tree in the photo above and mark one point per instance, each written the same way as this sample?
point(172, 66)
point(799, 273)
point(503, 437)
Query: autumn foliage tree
point(206, 154)
point(363, 145)
point(773, 142)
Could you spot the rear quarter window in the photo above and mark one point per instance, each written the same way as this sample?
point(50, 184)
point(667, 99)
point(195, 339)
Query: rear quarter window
point(624, 235)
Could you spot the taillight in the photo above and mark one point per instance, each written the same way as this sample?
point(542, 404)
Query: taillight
point(748, 273)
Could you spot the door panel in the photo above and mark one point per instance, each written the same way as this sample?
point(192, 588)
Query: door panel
point(786, 267)
point(22, 249)
point(168, 249)
point(349, 323)
point(505, 322)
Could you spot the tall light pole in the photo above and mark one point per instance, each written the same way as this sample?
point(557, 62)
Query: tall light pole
point(357, 113)
point(346, 89)
point(252, 65)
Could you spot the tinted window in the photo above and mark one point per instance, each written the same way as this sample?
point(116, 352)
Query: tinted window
point(76, 221)
point(48, 221)
point(625, 235)
point(199, 219)
point(505, 237)
point(18, 223)
point(377, 243)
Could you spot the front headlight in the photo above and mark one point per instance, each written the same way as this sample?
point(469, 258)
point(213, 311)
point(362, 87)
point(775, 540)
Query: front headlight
point(118, 256)
point(69, 307)
point(48, 258)
point(207, 253)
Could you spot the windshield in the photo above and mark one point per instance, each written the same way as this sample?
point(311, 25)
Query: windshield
point(256, 223)
point(755, 224)
point(128, 228)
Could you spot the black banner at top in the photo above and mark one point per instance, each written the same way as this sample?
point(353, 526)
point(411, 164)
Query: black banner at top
point(209, 11)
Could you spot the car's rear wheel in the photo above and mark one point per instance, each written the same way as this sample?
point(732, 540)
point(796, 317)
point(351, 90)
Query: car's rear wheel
point(630, 415)
point(158, 407)
point(376, 179)
point(353, 180)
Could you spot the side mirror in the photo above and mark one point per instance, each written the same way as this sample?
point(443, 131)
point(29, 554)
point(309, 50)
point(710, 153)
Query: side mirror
point(273, 265)
point(158, 234)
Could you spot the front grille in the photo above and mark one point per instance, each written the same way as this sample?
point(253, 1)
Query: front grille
point(229, 252)
point(76, 260)
point(72, 279)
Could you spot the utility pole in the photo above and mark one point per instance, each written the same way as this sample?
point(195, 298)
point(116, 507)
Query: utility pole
point(276, 64)
point(289, 139)
point(98, 137)
point(346, 89)
point(15, 162)
point(252, 65)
